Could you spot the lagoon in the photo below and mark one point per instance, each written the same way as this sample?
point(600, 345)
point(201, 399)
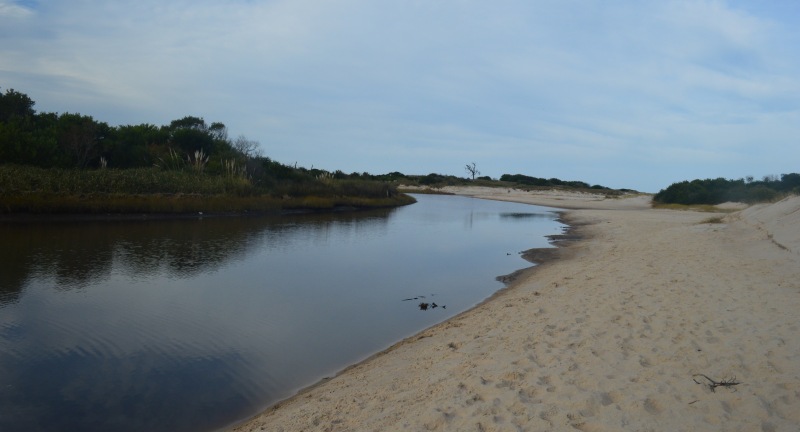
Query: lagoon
point(187, 325)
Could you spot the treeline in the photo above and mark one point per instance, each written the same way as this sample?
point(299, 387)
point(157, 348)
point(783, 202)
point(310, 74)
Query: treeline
point(51, 154)
point(551, 182)
point(71, 140)
point(75, 141)
point(720, 190)
point(506, 180)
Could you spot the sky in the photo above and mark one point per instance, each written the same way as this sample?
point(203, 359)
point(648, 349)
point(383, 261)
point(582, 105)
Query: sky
point(634, 94)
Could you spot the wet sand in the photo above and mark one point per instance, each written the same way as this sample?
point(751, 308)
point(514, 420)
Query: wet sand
point(610, 334)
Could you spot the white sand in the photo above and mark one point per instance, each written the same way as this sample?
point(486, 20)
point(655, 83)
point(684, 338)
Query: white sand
point(606, 338)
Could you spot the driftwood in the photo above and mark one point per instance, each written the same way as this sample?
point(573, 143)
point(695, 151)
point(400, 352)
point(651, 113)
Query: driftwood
point(712, 385)
point(425, 306)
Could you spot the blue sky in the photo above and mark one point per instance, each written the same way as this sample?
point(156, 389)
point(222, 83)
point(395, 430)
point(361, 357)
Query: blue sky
point(628, 94)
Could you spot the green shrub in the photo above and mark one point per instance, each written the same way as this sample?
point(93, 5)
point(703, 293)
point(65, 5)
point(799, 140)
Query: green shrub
point(719, 190)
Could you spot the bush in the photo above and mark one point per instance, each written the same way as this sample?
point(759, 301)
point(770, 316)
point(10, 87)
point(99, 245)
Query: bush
point(551, 182)
point(719, 190)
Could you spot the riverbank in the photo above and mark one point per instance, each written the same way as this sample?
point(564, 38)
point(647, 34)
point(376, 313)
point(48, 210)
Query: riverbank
point(610, 335)
point(27, 191)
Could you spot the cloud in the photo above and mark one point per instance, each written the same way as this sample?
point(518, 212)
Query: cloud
point(343, 84)
point(14, 10)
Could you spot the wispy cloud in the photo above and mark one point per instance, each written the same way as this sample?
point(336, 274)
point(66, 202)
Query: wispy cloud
point(14, 10)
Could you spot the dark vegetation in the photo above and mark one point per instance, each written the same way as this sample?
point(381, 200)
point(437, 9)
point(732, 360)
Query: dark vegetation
point(720, 190)
point(552, 182)
point(518, 181)
point(72, 163)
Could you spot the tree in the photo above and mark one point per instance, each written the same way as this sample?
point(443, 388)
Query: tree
point(218, 131)
point(191, 134)
point(135, 145)
point(189, 122)
point(248, 148)
point(14, 104)
point(79, 135)
point(16, 127)
point(472, 169)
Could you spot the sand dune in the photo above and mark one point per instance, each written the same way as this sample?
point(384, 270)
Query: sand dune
point(608, 337)
point(780, 221)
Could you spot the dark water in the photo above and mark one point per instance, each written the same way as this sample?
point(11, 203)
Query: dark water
point(189, 325)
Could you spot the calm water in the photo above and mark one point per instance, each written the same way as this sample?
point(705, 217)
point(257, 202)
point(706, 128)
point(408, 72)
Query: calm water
point(191, 324)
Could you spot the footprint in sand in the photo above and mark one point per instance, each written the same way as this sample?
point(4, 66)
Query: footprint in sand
point(652, 406)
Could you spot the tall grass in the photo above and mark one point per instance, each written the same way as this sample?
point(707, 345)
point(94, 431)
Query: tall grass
point(157, 190)
point(20, 180)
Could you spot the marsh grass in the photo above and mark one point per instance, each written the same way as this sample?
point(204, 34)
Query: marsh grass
point(231, 169)
point(20, 180)
point(155, 190)
point(172, 162)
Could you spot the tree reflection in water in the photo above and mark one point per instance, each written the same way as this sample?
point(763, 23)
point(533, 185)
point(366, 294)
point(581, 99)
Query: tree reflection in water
point(73, 253)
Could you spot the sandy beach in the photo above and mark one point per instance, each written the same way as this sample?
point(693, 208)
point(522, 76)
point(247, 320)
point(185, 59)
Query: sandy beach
point(656, 320)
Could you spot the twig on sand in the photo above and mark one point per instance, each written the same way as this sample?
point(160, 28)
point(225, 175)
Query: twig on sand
point(730, 382)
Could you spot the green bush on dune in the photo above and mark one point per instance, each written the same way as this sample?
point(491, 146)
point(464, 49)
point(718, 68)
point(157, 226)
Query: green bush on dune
point(720, 190)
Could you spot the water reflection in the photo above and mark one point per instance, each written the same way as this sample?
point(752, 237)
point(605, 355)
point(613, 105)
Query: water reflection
point(130, 393)
point(519, 215)
point(187, 325)
point(74, 253)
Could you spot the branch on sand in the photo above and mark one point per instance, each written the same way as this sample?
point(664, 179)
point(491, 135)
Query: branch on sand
point(730, 382)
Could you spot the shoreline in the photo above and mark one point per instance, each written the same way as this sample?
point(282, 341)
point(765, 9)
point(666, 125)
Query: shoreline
point(537, 256)
point(144, 216)
point(605, 335)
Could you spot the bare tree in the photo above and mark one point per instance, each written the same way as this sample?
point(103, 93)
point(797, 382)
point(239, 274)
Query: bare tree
point(472, 169)
point(248, 148)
